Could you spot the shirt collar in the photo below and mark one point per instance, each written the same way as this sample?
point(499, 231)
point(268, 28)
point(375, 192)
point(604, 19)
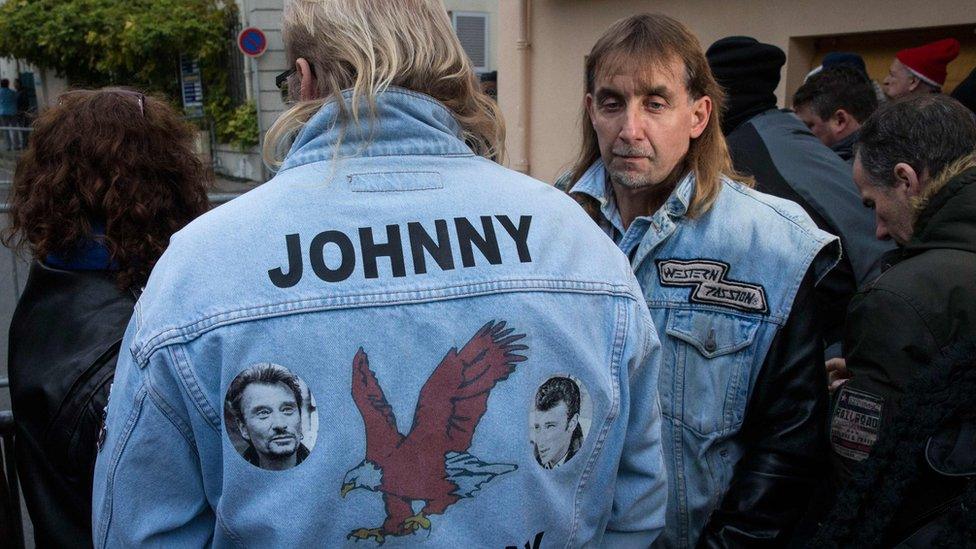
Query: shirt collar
point(594, 183)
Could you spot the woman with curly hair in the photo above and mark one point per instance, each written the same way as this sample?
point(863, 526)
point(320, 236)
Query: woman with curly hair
point(107, 178)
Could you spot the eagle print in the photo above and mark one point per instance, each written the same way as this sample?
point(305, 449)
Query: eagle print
point(431, 463)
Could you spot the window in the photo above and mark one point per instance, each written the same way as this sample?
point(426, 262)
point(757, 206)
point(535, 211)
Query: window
point(472, 31)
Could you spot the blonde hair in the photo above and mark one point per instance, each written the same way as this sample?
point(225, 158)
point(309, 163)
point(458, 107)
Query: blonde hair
point(366, 46)
point(654, 40)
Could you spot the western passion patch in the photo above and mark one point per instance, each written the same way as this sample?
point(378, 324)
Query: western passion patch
point(710, 286)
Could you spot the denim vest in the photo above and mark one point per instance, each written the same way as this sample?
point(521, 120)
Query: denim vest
point(417, 304)
point(718, 287)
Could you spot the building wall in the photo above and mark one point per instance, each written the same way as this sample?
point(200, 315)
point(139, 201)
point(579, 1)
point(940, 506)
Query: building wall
point(563, 31)
point(488, 7)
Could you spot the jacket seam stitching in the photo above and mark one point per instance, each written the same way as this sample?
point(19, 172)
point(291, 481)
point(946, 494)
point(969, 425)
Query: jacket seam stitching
point(227, 529)
point(107, 505)
point(170, 414)
point(622, 318)
point(195, 329)
point(188, 380)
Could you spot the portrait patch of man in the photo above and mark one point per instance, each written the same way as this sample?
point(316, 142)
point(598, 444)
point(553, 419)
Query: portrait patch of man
point(265, 406)
point(554, 422)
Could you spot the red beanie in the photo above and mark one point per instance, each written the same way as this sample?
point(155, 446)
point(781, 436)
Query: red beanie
point(929, 62)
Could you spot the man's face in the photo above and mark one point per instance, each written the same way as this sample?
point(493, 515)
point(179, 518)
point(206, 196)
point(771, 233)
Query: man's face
point(899, 82)
point(272, 420)
point(552, 432)
point(644, 121)
point(892, 207)
point(820, 127)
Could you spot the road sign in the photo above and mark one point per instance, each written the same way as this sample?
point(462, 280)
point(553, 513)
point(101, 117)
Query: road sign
point(252, 42)
point(191, 82)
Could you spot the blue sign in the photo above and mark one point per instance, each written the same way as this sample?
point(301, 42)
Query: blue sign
point(252, 42)
point(191, 82)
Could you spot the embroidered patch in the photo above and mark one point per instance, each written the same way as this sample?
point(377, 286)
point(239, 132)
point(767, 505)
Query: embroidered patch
point(707, 278)
point(856, 423)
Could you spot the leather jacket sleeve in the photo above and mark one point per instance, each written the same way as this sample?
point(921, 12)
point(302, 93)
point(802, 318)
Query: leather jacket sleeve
point(784, 434)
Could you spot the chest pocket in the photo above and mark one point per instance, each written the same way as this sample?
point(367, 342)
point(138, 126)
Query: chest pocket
point(712, 354)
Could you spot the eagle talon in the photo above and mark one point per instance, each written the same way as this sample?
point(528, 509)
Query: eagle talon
point(366, 533)
point(416, 522)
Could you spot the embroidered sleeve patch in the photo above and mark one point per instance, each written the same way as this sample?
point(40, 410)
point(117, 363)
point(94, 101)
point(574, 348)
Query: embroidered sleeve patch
point(709, 285)
point(856, 423)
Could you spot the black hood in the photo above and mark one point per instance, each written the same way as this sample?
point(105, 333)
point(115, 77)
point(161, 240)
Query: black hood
point(749, 71)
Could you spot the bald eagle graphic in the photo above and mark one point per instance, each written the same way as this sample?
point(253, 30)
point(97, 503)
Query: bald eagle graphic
point(431, 463)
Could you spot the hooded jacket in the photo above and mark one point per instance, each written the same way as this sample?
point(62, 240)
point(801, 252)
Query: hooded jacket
point(923, 303)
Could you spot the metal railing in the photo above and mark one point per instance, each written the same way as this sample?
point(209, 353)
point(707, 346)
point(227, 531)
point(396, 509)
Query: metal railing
point(216, 199)
point(8, 468)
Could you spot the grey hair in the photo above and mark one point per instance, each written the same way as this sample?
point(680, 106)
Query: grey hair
point(928, 133)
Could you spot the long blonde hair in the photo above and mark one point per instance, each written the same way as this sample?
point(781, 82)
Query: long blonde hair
point(366, 46)
point(657, 39)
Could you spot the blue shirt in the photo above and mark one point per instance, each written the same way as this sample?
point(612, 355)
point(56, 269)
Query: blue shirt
point(8, 102)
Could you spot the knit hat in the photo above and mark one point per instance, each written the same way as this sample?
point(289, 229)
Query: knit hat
point(929, 62)
point(749, 71)
point(836, 58)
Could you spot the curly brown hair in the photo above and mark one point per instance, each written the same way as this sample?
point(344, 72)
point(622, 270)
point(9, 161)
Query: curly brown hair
point(113, 159)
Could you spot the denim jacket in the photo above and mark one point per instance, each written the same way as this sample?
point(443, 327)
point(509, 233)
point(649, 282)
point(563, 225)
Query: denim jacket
point(420, 301)
point(719, 287)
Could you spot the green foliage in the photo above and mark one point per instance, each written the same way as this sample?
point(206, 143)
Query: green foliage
point(95, 43)
point(239, 126)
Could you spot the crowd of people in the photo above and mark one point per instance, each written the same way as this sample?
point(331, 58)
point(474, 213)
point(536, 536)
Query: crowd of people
point(726, 325)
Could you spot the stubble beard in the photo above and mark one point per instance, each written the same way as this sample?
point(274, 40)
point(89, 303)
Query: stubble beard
point(627, 178)
point(631, 180)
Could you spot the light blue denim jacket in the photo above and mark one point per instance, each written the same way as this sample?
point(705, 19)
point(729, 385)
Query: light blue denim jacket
point(718, 287)
point(381, 282)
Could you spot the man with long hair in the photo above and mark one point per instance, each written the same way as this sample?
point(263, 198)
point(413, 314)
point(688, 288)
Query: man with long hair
point(422, 292)
point(729, 275)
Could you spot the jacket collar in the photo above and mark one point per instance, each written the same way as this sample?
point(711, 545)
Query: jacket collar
point(947, 219)
point(845, 147)
point(405, 123)
point(595, 184)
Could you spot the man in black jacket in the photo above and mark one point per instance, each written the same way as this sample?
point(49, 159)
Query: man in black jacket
point(786, 160)
point(916, 167)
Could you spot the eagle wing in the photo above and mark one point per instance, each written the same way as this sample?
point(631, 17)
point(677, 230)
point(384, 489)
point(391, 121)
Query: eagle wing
point(455, 396)
point(382, 435)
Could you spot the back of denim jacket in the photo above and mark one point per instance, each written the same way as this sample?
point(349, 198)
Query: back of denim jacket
point(391, 342)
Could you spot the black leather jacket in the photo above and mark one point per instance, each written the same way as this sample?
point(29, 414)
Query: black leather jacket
point(785, 429)
point(64, 342)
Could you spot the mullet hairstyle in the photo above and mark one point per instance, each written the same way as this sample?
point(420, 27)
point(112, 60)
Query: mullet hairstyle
point(112, 159)
point(366, 46)
point(654, 40)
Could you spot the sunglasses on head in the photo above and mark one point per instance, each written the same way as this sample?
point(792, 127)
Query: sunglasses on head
point(140, 98)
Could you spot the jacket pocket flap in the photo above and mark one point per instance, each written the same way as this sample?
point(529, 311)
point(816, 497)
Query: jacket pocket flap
point(712, 333)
